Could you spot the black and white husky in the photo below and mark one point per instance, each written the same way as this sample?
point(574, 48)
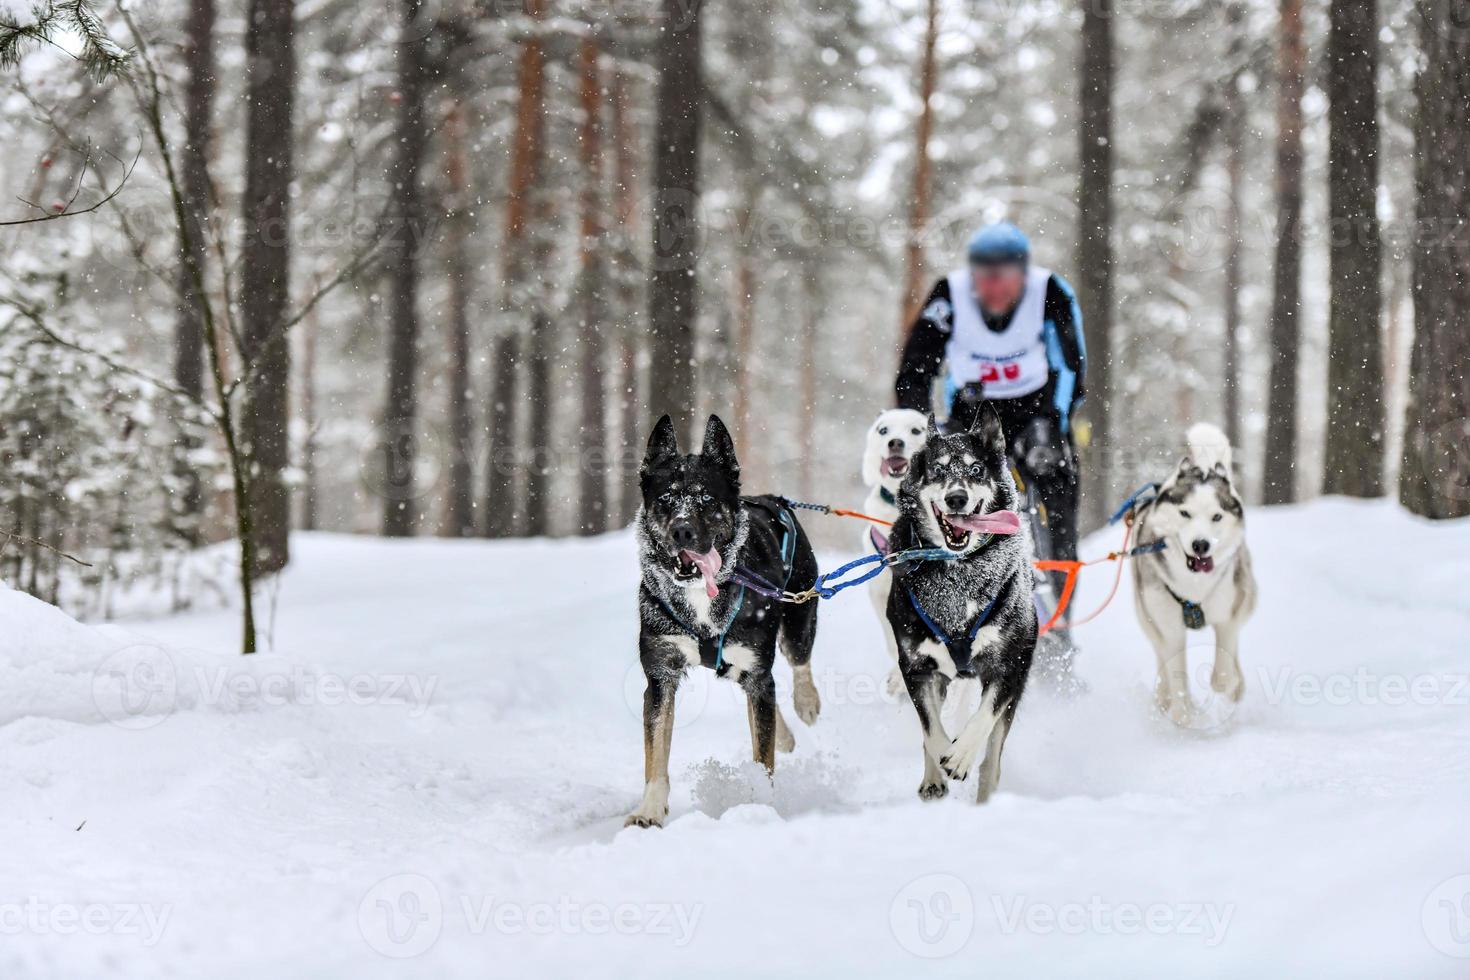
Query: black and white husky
point(971, 616)
point(892, 440)
point(693, 530)
point(1202, 574)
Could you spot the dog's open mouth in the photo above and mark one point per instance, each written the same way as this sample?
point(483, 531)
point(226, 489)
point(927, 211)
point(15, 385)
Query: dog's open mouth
point(1200, 563)
point(895, 466)
point(957, 528)
point(706, 566)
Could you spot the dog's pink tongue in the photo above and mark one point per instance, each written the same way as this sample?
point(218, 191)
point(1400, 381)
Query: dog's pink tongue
point(709, 566)
point(1000, 522)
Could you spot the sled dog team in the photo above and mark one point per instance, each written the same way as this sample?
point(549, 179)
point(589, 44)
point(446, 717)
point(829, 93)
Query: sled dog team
point(963, 612)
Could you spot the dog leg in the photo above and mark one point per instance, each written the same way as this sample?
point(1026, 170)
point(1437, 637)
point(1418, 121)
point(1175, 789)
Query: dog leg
point(760, 703)
point(990, 765)
point(960, 757)
point(1172, 692)
point(658, 733)
point(1226, 678)
point(926, 689)
point(798, 634)
point(785, 741)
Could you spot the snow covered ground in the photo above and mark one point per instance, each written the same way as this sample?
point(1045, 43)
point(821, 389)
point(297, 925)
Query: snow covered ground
point(430, 779)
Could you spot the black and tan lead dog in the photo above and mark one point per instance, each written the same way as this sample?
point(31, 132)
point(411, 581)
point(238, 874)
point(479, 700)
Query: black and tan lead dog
point(693, 530)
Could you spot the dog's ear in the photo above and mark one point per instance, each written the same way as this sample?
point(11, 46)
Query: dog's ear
point(719, 448)
point(986, 428)
point(663, 443)
point(931, 431)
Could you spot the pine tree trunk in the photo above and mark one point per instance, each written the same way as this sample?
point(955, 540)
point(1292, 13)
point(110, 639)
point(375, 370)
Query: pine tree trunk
point(744, 352)
point(458, 226)
point(520, 304)
point(1435, 480)
point(310, 489)
point(807, 413)
point(1355, 382)
point(1095, 242)
point(541, 458)
point(1281, 413)
point(194, 175)
point(1234, 124)
point(502, 515)
point(630, 332)
point(399, 414)
point(595, 319)
point(913, 287)
point(265, 278)
point(672, 291)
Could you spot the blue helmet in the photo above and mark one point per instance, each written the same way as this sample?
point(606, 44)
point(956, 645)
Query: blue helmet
point(999, 244)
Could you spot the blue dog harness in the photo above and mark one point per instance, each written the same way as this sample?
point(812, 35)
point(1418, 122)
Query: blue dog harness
point(961, 655)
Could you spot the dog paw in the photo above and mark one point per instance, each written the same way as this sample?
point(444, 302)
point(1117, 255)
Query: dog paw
point(785, 741)
point(933, 791)
point(1228, 683)
point(895, 686)
point(957, 766)
point(1180, 711)
point(639, 818)
point(804, 696)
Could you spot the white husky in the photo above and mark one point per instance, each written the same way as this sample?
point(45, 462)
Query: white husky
point(893, 438)
point(1201, 577)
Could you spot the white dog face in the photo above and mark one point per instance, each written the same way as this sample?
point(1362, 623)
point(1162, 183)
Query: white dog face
point(1202, 514)
point(892, 441)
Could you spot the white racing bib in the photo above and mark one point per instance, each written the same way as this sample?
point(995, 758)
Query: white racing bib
point(1010, 363)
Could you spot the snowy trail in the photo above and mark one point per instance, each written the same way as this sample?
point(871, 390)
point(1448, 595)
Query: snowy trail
point(439, 760)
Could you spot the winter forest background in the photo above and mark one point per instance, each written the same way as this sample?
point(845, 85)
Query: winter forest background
point(432, 268)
